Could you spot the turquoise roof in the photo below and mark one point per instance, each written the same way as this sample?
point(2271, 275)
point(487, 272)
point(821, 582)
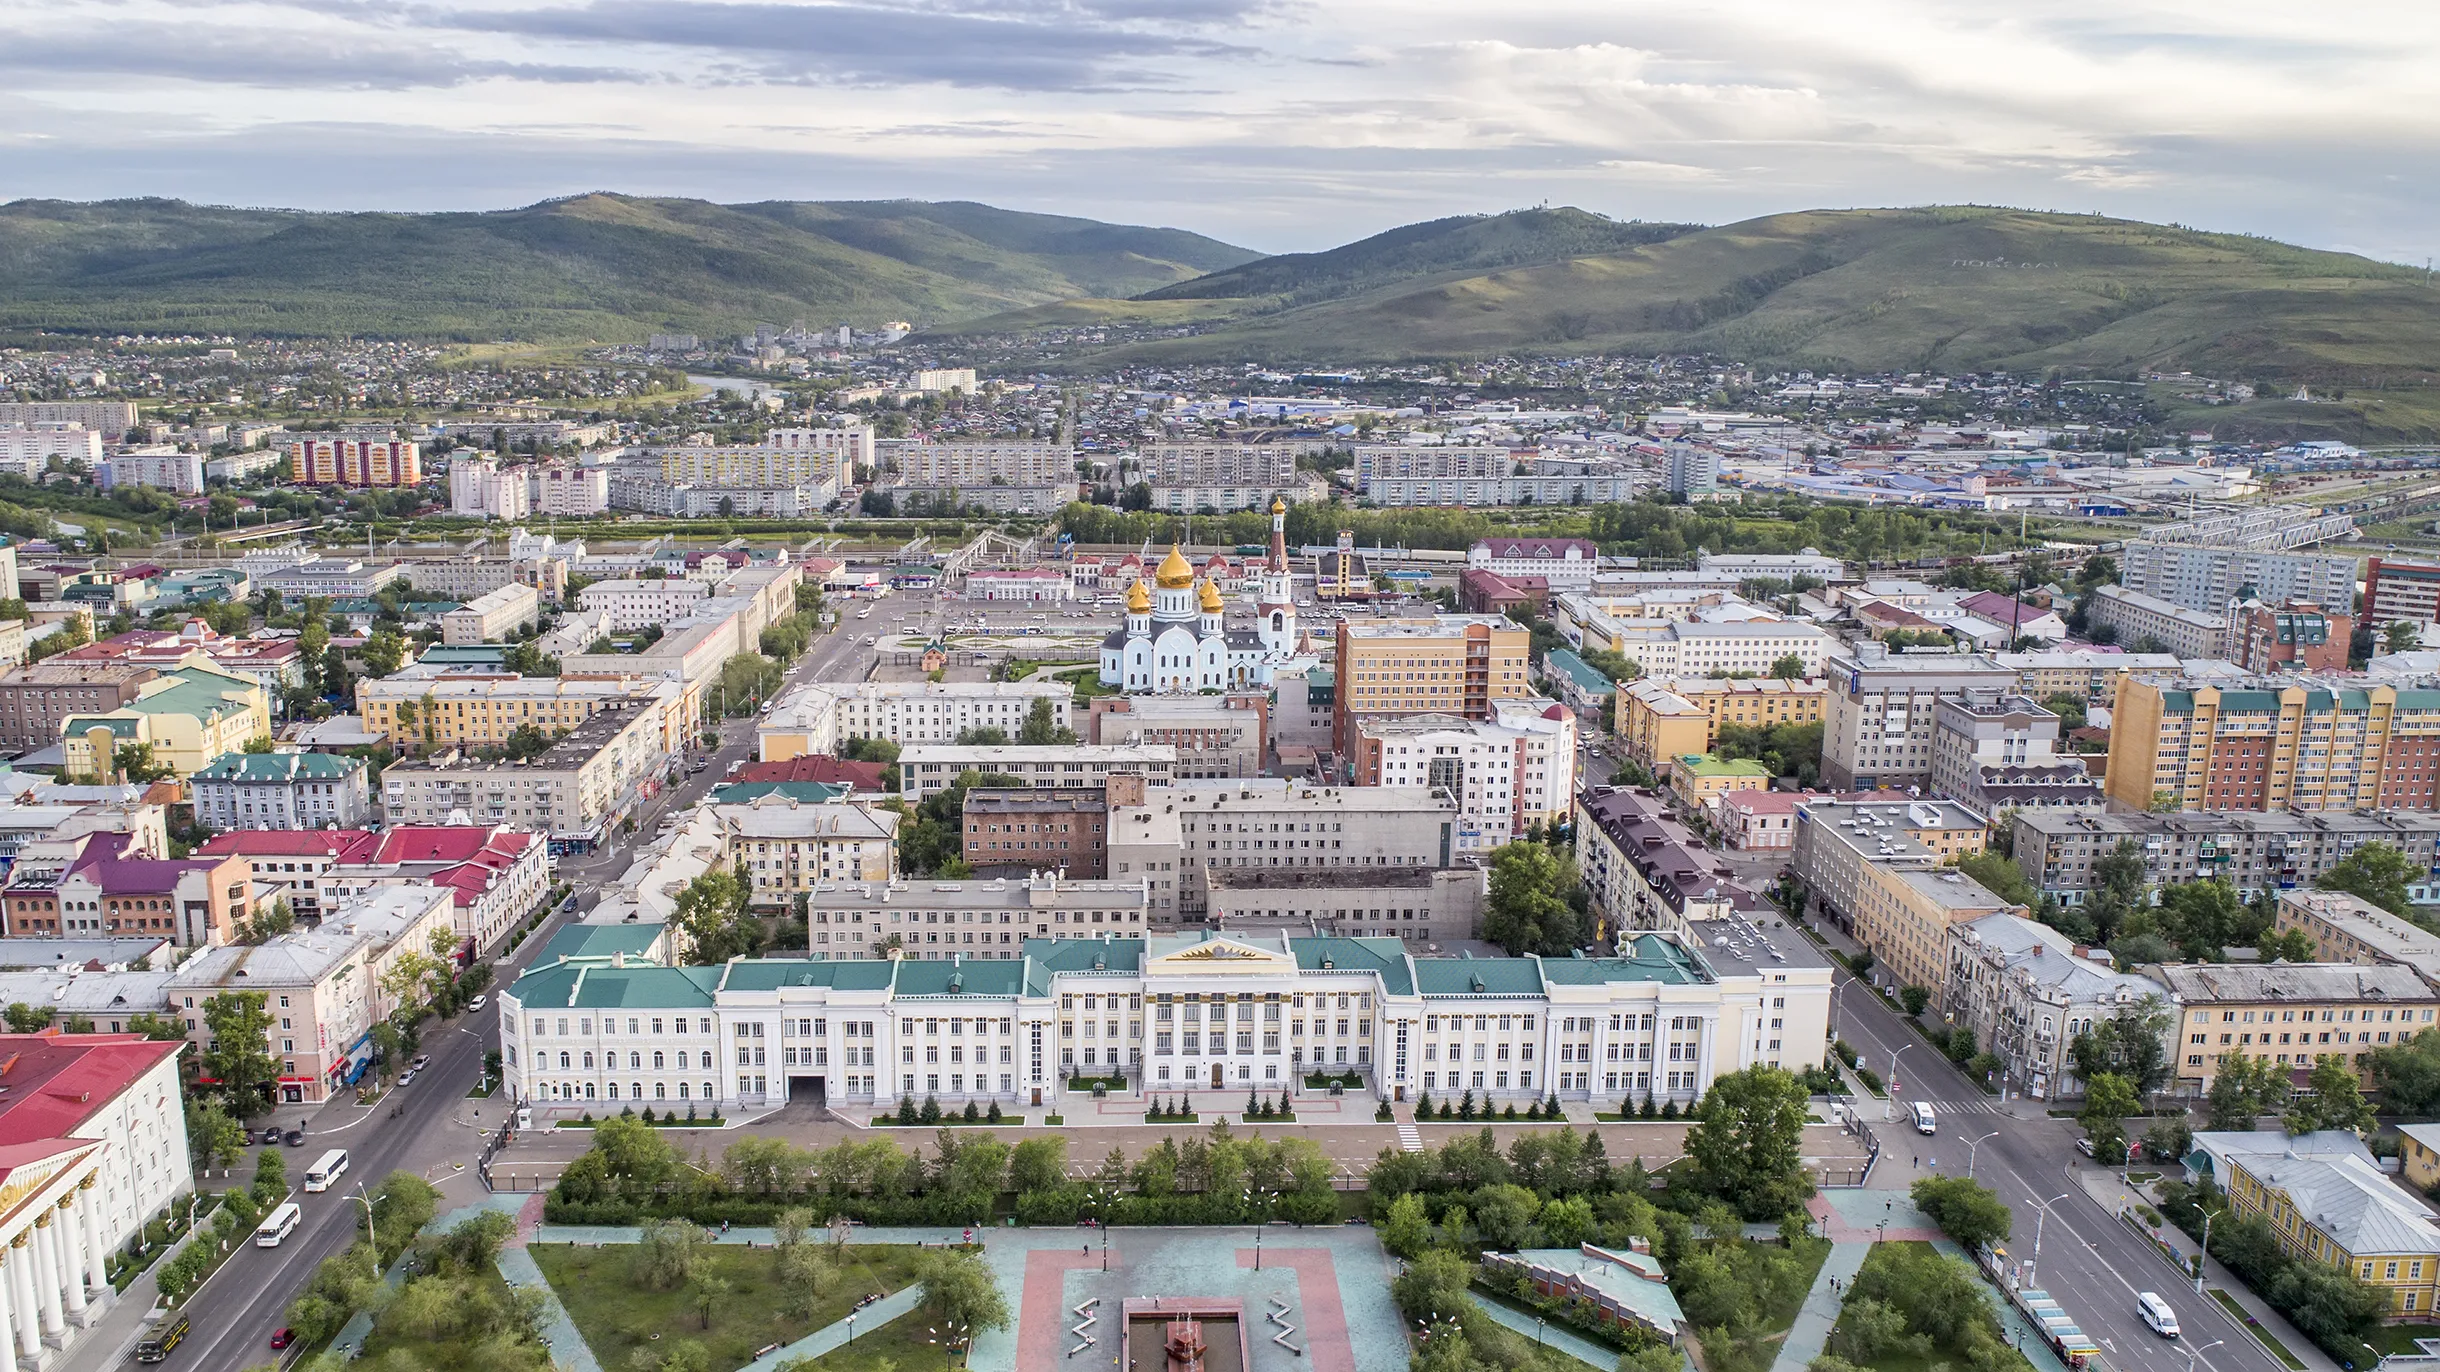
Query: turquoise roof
point(600, 941)
point(119, 728)
point(1386, 956)
point(589, 985)
point(1478, 976)
point(770, 974)
point(275, 767)
point(1647, 957)
point(807, 792)
point(1576, 669)
point(445, 654)
point(1047, 957)
point(933, 977)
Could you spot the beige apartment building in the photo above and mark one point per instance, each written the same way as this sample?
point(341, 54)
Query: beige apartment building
point(2290, 1012)
point(481, 709)
point(492, 616)
point(576, 790)
point(789, 847)
point(1439, 664)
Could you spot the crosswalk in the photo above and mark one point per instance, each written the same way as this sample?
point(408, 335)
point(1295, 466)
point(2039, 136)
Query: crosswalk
point(1410, 1139)
point(1981, 1106)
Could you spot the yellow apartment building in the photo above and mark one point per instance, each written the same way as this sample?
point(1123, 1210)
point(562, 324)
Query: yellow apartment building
point(1904, 913)
point(2290, 1012)
point(2286, 743)
point(2327, 1199)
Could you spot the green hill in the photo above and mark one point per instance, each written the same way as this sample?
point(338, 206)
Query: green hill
point(1467, 244)
point(596, 266)
point(1942, 288)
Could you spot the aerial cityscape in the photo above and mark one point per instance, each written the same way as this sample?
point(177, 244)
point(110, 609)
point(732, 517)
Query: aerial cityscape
point(1288, 689)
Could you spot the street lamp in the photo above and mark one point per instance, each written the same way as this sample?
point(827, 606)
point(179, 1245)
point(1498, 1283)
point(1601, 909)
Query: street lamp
point(1262, 1197)
point(2205, 1255)
point(1892, 1111)
point(372, 1237)
point(2036, 1269)
point(1971, 1146)
point(2193, 1353)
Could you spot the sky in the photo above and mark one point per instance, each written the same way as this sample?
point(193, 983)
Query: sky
point(1279, 125)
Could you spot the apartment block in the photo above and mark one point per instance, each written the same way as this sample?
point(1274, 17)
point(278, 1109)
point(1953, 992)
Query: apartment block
point(479, 487)
point(738, 468)
point(465, 578)
point(2254, 852)
point(2272, 638)
point(1015, 831)
point(1996, 750)
point(421, 708)
point(635, 605)
point(2090, 677)
point(924, 768)
point(848, 446)
point(980, 464)
point(1664, 717)
point(2397, 591)
point(2281, 743)
point(575, 791)
point(2198, 577)
point(1505, 774)
point(492, 616)
point(2293, 1013)
point(2026, 990)
point(1608, 488)
point(578, 492)
point(1384, 461)
point(1271, 825)
point(1877, 720)
point(1444, 664)
point(167, 470)
point(27, 450)
point(1245, 475)
point(354, 462)
point(495, 875)
point(189, 716)
point(1854, 858)
point(35, 700)
point(1646, 870)
point(1215, 736)
point(109, 418)
point(318, 990)
point(282, 791)
point(820, 716)
point(2329, 1200)
point(2346, 927)
point(787, 846)
point(1424, 907)
point(2140, 620)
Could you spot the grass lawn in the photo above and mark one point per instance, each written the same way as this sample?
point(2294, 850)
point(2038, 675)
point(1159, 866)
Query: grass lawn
point(618, 1314)
point(438, 1355)
point(2261, 1335)
point(902, 1345)
point(2400, 1338)
point(1906, 1362)
point(1811, 1253)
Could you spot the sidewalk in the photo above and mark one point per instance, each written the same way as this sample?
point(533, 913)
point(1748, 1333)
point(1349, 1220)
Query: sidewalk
point(1565, 1340)
point(833, 1336)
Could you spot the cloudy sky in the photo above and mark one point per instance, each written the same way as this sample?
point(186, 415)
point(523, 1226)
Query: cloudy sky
point(1278, 124)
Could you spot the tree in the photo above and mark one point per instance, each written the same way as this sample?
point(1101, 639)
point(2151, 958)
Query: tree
point(2201, 918)
point(1788, 667)
point(667, 1253)
point(384, 653)
point(1038, 1164)
point(1965, 1210)
point(2243, 1089)
point(960, 1288)
point(1042, 725)
point(2378, 872)
point(2400, 636)
point(2407, 1074)
point(705, 1292)
point(1915, 999)
point(2108, 1100)
point(239, 1058)
point(711, 920)
point(2120, 883)
point(1407, 1229)
point(2331, 1099)
point(1528, 910)
point(212, 1136)
point(2132, 1043)
point(1746, 1141)
point(1998, 873)
point(402, 1205)
point(1505, 1214)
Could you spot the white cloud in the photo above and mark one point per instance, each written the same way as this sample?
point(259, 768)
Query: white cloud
point(1284, 124)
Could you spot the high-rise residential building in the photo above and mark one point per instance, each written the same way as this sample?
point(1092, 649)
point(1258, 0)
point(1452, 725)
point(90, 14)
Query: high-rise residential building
point(845, 447)
point(2270, 638)
point(2252, 851)
point(1506, 773)
point(2206, 578)
point(1883, 870)
point(1440, 664)
point(2395, 591)
point(2278, 743)
point(28, 449)
point(981, 463)
point(479, 487)
point(1691, 469)
point(1877, 724)
point(1270, 467)
point(165, 469)
point(373, 462)
point(109, 418)
point(747, 468)
point(1995, 750)
point(576, 491)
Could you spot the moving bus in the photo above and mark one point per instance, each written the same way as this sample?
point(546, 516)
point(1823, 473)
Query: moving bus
point(165, 1334)
point(326, 1169)
point(277, 1225)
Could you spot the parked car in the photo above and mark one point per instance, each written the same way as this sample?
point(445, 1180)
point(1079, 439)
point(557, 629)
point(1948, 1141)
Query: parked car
point(406, 1076)
point(294, 1138)
point(420, 1060)
point(272, 1134)
point(282, 1337)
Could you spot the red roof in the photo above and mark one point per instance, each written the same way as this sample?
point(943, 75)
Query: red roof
point(52, 1083)
point(863, 776)
point(329, 843)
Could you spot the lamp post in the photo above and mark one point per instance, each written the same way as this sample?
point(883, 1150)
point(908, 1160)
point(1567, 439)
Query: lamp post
point(1971, 1146)
point(2193, 1353)
point(2036, 1269)
point(1259, 1199)
point(2205, 1255)
point(372, 1238)
point(1892, 1111)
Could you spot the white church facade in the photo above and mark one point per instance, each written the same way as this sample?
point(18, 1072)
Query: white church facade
point(1175, 640)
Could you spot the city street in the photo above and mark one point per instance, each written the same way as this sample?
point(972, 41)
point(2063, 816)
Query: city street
point(2088, 1261)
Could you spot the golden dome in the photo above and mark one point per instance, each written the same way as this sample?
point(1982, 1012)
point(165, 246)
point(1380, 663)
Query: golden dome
point(1279, 505)
point(1175, 570)
point(1138, 599)
point(1211, 598)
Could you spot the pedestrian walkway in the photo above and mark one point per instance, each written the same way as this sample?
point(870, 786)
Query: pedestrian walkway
point(1814, 1319)
point(834, 1336)
point(1566, 1341)
point(568, 1348)
point(1410, 1138)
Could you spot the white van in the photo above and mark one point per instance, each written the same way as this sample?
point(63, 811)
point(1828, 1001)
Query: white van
point(326, 1169)
point(2157, 1314)
point(277, 1225)
point(1924, 1121)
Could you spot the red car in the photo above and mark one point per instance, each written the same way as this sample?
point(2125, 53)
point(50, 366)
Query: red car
point(282, 1337)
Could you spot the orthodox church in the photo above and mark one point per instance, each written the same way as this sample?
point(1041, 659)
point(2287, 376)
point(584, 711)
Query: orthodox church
point(1174, 640)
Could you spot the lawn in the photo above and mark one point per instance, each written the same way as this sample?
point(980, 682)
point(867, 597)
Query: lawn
point(2400, 1338)
point(437, 1355)
point(618, 1314)
point(2261, 1335)
point(902, 1345)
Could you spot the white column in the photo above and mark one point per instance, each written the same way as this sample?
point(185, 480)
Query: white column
point(8, 1307)
point(64, 1234)
point(20, 1274)
point(89, 1214)
point(44, 1273)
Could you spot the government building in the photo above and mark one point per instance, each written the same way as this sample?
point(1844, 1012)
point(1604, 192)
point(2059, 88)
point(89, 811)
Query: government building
point(1168, 1013)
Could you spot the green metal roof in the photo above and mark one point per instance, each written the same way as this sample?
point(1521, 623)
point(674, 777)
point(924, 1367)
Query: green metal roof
point(599, 941)
point(1387, 956)
point(1478, 976)
point(770, 974)
point(588, 986)
point(1047, 957)
point(932, 977)
point(1706, 765)
point(1578, 670)
point(275, 767)
point(1648, 957)
point(807, 792)
point(197, 692)
point(119, 728)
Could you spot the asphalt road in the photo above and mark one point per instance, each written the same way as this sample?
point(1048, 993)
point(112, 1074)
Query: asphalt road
point(2089, 1262)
